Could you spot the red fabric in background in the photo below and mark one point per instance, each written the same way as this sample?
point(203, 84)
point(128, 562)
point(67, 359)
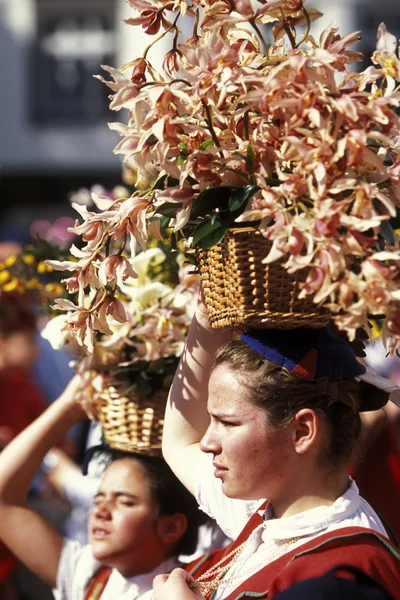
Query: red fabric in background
point(20, 401)
point(8, 563)
point(20, 404)
point(378, 477)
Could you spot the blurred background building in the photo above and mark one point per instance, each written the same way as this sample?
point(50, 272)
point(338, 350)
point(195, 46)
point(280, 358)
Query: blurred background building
point(53, 113)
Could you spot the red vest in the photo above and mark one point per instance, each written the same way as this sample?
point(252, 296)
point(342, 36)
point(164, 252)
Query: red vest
point(357, 546)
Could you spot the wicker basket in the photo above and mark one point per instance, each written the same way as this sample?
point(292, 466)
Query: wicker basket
point(240, 291)
point(131, 421)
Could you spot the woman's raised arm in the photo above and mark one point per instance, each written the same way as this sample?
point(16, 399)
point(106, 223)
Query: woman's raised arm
point(186, 417)
point(24, 531)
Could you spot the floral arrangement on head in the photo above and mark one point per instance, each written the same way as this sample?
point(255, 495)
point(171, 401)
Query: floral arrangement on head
point(284, 135)
point(137, 332)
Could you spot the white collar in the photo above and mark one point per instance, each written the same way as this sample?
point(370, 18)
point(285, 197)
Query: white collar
point(314, 520)
point(144, 583)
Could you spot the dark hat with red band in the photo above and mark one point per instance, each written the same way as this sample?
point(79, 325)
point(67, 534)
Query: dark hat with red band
point(313, 354)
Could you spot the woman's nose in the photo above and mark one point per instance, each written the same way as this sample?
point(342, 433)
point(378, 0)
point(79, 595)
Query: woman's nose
point(209, 442)
point(102, 510)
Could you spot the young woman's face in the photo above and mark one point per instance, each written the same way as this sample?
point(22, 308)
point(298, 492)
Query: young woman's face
point(250, 456)
point(122, 525)
point(18, 350)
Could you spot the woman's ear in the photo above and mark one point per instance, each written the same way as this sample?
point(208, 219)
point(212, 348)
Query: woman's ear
point(306, 429)
point(170, 528)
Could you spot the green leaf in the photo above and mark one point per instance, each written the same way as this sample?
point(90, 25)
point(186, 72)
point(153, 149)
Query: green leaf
point(207, 234)
point(183, 147)
point(210, 199)
point(250, 157)
point(238, 172)
point(237, 153)
point(240, 196)
point(172, 182)
point(159, 184)
point(164, 221)
point(169, 209)
point(151, 140)
point(190, 258)
point(142, 382)
point(206, 144)
point(181, 159)
point(386, 231)
point(395, 221)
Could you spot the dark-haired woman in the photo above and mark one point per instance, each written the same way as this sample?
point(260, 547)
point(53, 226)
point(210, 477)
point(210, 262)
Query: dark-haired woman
point(142, 518)
point(21, 400)
point(273, 416)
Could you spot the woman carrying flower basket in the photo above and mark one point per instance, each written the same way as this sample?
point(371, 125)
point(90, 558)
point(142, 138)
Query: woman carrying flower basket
point(142, 518)
point(274, 415)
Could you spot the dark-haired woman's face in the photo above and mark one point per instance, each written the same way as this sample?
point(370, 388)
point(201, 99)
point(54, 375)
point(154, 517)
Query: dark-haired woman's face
point(250, 456)
point(19, 350)
point(122, 525)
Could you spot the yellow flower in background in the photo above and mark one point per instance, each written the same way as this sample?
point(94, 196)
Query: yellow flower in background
point(15, 285)
point(121, 191)
point(43, 268)
point(4, 276)
point(54, 288)
point(10, 261)
point(129, 176)
point(33, 284)
point(28, 259)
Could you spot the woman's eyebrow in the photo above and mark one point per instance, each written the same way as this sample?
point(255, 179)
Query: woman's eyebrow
point(218, 414)
point(117, 494)
point(122, 493)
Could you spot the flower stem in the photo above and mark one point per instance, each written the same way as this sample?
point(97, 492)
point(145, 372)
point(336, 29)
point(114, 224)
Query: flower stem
point(107, 246)
point(210, 125)
point(260, 35)
point(164, 83)
point(246, 125)
point(196, 22)
point(288, 31)
point(160, 37)
point(99, 303)
point(122, 247)
point(308, 27)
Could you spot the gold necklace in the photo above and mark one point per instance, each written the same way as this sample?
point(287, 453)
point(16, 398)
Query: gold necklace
point(215, 574)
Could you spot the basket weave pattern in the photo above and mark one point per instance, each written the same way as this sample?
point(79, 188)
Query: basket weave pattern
point(131, 421)
point(242, 292)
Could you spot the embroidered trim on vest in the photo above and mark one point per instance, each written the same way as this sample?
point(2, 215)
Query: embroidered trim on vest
point(386, 543)
point(252, 595)
point(97, 584)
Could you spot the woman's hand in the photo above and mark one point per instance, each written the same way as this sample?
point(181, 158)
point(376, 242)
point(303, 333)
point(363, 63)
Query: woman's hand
point(77, 394)
point(176, 586)
point(201, 310)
